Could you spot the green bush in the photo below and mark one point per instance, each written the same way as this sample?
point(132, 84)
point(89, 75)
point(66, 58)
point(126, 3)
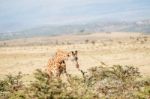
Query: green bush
point(117, 82)
point(11, 87)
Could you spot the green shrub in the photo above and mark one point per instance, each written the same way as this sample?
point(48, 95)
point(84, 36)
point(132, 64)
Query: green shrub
point(116, 82)
point(11, 86)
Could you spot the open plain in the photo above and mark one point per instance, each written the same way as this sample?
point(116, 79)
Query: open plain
point(95, 49)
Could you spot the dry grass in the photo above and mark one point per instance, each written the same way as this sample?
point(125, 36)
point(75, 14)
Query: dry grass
point(115, 48)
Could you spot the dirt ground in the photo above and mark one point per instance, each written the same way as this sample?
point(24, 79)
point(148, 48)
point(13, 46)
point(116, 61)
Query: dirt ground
point(26, 55)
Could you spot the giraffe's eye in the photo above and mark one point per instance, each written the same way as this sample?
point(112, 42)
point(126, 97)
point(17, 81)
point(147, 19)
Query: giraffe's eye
point(76, 58)
point(68, 55)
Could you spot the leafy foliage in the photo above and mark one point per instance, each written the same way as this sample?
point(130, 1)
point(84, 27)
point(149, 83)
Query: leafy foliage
point(116, 82)
point(11, 87)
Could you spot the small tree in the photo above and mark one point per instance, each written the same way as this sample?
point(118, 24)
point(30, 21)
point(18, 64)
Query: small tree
point(86, 41)
point(93, 42)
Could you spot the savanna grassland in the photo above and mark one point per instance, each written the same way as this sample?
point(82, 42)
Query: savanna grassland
point(112, 65)
point(26, 55)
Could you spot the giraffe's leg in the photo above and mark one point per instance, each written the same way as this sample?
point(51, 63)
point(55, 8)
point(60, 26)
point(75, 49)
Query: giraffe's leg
point(58, 72)
point(64, 67)
point(65, 71)
point(49, 73)
point(61, 68)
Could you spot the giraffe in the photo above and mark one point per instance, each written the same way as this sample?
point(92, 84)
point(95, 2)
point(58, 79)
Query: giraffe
point(57, 65)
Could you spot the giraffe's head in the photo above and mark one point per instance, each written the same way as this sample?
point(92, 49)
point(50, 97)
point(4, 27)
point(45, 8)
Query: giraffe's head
point(73, 56)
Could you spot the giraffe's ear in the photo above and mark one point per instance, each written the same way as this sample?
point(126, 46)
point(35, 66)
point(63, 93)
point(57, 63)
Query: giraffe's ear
point(72, 52)
point(76, 52)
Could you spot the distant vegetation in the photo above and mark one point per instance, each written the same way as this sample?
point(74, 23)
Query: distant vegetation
point(91, 27)
point(117, 82)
